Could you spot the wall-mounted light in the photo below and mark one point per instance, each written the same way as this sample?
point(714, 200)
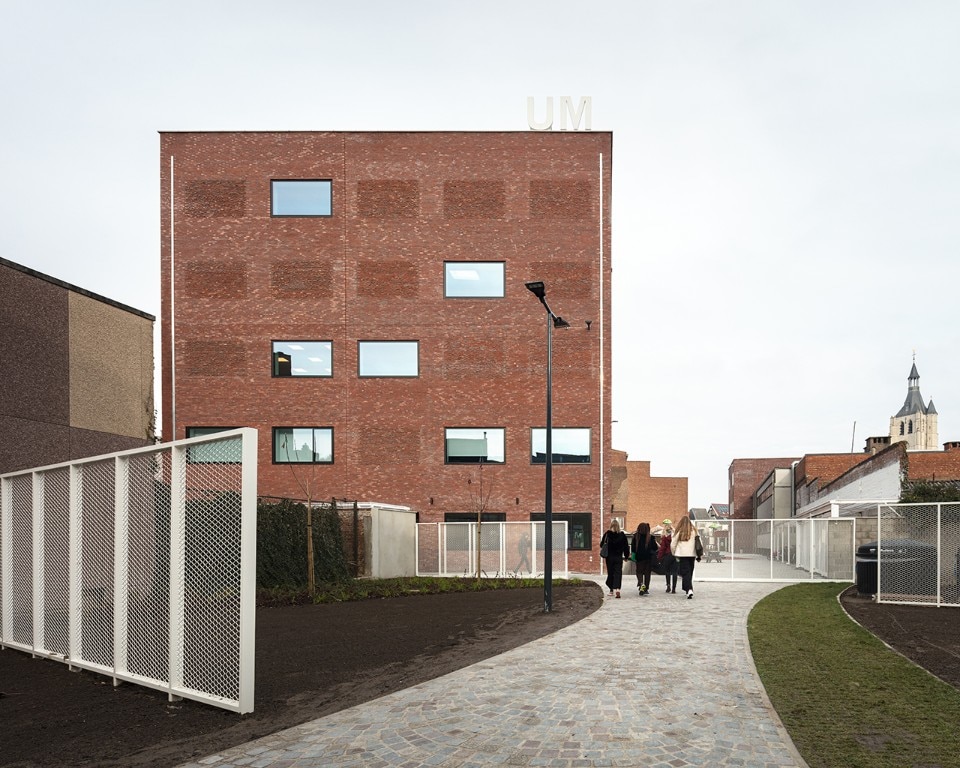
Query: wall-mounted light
point(588, 324)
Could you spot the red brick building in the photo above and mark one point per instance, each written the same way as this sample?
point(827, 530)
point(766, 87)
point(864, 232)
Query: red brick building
point(359, 299)
point(644, 498)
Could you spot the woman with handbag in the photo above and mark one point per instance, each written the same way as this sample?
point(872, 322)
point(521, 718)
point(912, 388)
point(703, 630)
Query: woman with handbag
point(686, 547)
point(668, 563)
point(644, 551)
point(614, 549)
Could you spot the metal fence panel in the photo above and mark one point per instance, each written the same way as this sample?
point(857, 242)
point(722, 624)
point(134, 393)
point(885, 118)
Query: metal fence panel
point(140, 565)
point(918, 554)
point(506, 549)
point(780, 550)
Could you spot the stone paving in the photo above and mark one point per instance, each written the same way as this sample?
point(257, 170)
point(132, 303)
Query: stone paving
point(659, 681)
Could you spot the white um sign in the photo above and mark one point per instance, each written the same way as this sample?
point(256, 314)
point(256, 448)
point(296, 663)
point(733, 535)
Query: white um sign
point(566, 111)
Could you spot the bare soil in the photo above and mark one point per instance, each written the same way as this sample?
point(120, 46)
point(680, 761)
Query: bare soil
point(311, 660)
point(927, 635)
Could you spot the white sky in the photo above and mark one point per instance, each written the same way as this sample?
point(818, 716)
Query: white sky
point(786, 176)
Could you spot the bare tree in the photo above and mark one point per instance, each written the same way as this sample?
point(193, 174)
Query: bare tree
point(307, 486)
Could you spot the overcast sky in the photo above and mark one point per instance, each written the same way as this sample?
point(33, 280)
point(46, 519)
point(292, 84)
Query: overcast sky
point(786, 176)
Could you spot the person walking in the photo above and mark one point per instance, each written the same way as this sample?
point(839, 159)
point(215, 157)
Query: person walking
point(684, 548)
point(523, 547)
point(644, 548)
point(614, 549)
point(667, 561)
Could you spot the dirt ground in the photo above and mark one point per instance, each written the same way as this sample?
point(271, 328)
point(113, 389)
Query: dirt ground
point(315, 660)
point(928, 636)
point(310, 661)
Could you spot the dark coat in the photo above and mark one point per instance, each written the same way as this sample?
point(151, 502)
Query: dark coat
point(644, 553)
point(618, 548)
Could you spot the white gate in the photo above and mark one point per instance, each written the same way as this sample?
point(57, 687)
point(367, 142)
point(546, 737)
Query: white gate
point(139, 565)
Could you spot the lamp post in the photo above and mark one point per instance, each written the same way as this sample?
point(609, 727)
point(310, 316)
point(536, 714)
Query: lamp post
point(538, 289)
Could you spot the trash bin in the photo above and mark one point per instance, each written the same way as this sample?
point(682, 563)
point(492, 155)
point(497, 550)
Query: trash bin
point(867, 569)
point(909, 568)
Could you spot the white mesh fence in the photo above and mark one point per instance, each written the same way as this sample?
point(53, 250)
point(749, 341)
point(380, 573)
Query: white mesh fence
point(140, 565)
point(505, 549)
point(777, 550)
point(915, 557)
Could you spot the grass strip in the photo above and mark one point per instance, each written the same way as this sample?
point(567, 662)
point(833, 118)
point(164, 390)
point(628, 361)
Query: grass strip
point(845, 698)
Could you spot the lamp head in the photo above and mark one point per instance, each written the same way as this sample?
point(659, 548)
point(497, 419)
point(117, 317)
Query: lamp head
point(537, 288)
point(559, 322)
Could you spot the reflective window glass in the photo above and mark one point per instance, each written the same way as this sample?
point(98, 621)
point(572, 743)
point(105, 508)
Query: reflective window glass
point(388, 358)
point(472, 279)
point(571, 445)
point(474, 446)
point(303, 358)
point(301, 197)
point(303, 445)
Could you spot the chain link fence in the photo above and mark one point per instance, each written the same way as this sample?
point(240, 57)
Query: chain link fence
point(139, 565)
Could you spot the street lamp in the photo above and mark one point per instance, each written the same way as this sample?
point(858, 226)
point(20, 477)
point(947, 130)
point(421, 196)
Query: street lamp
point(539, 290)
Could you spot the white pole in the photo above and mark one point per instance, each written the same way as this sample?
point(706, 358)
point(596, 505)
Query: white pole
point(602, 431)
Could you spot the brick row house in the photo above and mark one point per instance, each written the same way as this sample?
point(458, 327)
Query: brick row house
point(359, 298)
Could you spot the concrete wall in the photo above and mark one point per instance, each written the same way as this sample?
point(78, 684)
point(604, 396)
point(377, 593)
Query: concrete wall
point(390, 541)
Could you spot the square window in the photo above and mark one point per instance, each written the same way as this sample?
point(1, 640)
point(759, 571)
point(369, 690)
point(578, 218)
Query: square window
point(302, 358)
point(219, 452)
point(388, 358)
point(473, 279)
point(570, 445)
point(303, 445)
point(301, 197)
point(480, 445)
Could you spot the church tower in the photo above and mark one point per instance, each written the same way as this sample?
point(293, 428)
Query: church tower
point(915, 423)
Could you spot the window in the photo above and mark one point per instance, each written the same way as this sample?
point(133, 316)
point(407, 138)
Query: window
point(579, 527)
point(474, 446)
point(220, 452)
point(303, 445)
point(473, 279)
point(910, 427)
point(571, 445)
point(388, 358)
point(901, 427)
point(303, 358)
point(301, 197)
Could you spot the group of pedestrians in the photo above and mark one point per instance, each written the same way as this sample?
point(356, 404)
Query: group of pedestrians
point(675, 553)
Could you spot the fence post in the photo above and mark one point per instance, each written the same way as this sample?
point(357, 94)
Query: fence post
point(121, 560)
point(37, 640)
point(178, 496)
point(248, 568)
point(6, 559)
point(75, 566)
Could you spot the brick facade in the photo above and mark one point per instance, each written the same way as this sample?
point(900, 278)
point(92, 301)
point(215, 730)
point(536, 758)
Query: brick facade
point(744, 477)
point(76, 371)
point(403, 203)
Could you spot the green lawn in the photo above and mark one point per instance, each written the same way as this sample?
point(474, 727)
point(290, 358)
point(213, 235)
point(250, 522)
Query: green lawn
point(845, 698)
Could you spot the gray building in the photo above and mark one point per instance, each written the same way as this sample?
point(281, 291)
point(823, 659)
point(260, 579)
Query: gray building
point(76, 372)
